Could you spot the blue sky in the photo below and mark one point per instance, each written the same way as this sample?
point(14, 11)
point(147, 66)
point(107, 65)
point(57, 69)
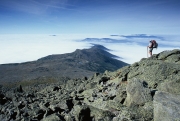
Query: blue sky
point(124, 26)
point(89, 16)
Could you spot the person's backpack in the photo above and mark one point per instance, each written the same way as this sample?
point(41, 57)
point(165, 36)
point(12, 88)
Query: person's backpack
point(155, 44)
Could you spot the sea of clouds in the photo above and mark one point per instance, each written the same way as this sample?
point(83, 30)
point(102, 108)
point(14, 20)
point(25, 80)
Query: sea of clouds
point(130, 48)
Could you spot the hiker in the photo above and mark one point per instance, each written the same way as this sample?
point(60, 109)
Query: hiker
point(152, 44)
point(150, 47)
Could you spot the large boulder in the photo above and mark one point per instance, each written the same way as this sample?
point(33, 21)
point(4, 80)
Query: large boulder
point(170, 56)
point(166, 107)
point(137, 93)
point(171, 86)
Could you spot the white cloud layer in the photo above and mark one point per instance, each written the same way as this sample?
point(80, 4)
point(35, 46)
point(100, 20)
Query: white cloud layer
point(23, 48)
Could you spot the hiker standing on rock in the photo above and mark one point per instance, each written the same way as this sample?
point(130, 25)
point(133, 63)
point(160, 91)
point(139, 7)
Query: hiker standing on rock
point(152, 44)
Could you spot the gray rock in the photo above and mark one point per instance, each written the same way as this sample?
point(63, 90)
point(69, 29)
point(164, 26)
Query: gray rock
point(171, 86)
point(101, 115)
point(166, 107)
point(52, 117)
point(68, 117)
point(137, 93)
point(165, 54)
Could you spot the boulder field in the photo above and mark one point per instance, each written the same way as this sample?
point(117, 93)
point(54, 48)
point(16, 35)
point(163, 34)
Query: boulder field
point(148, 90)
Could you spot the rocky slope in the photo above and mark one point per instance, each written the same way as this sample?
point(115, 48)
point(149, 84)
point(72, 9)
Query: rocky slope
point(78, 64)
point(148, 90)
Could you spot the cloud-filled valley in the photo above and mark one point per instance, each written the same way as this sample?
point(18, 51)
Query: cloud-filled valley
point(130, 48)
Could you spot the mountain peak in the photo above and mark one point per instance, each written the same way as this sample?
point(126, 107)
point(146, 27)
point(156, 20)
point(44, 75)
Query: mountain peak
point(97, 46)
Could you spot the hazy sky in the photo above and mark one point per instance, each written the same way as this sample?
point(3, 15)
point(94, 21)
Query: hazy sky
point(89, 16)
point(27, 26)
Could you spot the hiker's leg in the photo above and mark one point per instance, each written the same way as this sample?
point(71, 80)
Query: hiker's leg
point(150, 51)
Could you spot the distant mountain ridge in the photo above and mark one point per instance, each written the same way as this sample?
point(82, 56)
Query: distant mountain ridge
point(77, 64)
